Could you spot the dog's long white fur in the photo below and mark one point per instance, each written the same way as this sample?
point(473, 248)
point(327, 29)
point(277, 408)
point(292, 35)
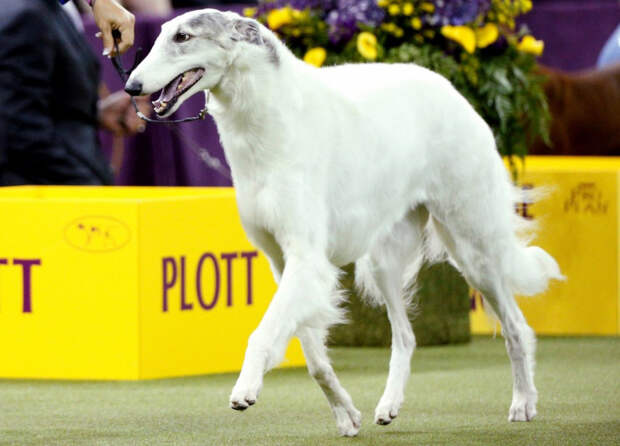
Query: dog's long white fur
point(354, 163)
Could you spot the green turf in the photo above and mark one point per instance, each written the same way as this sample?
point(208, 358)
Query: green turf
point(458, 395)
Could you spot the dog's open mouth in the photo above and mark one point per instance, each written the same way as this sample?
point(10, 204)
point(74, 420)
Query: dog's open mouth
point(179, 85)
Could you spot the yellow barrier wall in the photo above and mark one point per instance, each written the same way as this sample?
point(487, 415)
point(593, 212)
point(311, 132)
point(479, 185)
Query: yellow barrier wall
point(579, 226)
point(127, 283)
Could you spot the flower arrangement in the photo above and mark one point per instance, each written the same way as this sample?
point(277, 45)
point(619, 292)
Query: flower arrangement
point(473, 43)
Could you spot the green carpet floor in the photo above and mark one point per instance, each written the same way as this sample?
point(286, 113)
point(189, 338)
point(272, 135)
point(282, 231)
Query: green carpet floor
point(458, 395)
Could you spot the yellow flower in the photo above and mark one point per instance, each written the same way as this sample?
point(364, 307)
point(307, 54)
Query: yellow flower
point(383, 3)
point(530, 45)
point(394, 9)
point(249, 12)
point(407, 9)
point(315, 56)
point(299, 15)
point(428, 7)
point(279, 17)
point(416, 23)
point(367, 45)
point(461, 34)
point(486, 35)
point(392, 28)
point(398, 32)
point(526, 5)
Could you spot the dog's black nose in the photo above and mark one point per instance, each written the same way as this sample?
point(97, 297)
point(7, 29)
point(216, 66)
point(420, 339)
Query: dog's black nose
point(133, 88)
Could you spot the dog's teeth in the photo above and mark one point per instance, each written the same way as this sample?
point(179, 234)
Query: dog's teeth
point(180, 84)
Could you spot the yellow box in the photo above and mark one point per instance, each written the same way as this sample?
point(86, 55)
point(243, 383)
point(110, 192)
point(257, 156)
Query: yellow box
point(579, 225)
point(127, 283)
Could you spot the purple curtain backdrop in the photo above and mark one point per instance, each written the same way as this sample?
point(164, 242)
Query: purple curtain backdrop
point(574, 32)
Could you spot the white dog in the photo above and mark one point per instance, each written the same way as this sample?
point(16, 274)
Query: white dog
point(350, 164)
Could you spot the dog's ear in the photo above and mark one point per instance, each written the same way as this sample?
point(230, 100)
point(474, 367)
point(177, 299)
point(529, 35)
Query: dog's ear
point(246, 30)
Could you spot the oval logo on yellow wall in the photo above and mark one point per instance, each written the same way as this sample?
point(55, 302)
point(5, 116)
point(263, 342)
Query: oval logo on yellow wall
point(97, 234)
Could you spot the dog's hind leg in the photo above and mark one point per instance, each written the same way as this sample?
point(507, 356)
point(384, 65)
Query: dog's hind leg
point(348, 418)
point(521, 347)
point(391, 258)
point(482, 262)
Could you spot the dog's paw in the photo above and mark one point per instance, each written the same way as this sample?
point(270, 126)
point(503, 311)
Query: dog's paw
point(241, 400)
point(348, 420)
point(523, 408)
point(388, 408)
point(246, 390)
point(385, 413)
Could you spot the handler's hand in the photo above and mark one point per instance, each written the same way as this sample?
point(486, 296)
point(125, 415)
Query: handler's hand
point(110, 15)
point(116, 114)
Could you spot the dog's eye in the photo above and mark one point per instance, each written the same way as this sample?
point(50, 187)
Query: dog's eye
point(181, 37)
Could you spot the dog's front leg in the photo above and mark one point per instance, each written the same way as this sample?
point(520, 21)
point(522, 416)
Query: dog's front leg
point(348, 418)
point(305, 296)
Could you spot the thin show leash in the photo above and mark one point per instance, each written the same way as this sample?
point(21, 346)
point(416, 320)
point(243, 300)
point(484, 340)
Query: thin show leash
point(202, 153)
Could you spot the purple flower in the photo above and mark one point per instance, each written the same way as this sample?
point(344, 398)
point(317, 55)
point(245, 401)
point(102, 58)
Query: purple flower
point(324, 5)
point(321, 6)
point(457, 12)
point(345, 19)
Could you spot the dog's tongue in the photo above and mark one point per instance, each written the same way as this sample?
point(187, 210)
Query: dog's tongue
point(168, 92)
point(176, 87)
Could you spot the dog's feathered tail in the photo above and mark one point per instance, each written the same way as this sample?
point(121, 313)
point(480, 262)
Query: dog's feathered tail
point(530, 268)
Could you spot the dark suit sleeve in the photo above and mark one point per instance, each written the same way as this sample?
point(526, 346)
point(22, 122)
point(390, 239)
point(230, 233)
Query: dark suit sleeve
point(27, 137)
